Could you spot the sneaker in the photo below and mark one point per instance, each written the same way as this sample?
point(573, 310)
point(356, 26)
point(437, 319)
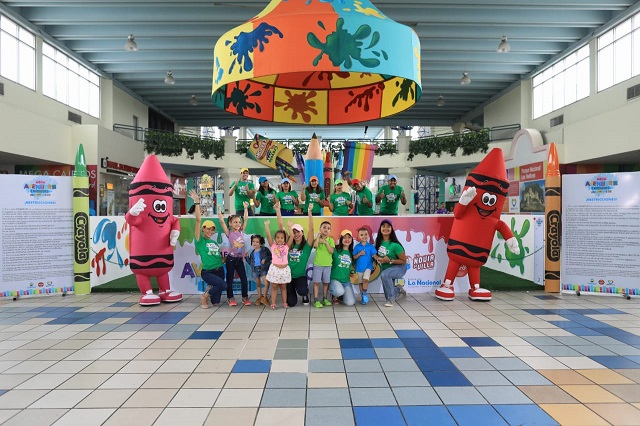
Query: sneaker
point(403, 292)
point(204, 301)
point(305, 300)
point(285, 306)
point(389, 303)
point(232, 302)
point(317, 304)
point(325, 302)
point(365, 299)
point(246, 301)
point(264, 301)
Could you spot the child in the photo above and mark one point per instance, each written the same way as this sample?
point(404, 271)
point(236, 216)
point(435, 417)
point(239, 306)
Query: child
point(260, 260)
point(324, 246)
point(212, 271)
point(279, 272)
point(363, 255)
point(341, 269)
point(235, 258)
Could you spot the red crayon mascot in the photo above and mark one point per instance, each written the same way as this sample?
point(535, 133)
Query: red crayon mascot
point(154, 231)
point(476, 219)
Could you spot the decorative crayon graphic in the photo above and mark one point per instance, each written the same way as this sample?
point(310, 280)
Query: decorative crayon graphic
point(338, 169)
point(358, 159)
point(300, 164)
point(328, 172)
point(81, 254)
point(274, 155)
point(313, 163)
point(476, 219)
point(553, 214)
point(154, 231)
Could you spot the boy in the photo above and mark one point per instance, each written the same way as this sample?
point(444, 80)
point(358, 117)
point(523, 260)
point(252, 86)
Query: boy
point(324, 246)
point(363, 255)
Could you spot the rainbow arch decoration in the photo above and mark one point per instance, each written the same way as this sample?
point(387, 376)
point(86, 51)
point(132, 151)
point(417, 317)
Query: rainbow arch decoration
point(358, 159)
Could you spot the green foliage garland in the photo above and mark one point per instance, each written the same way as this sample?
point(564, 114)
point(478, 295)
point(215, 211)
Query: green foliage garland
point(174, 144)
point(470, 143)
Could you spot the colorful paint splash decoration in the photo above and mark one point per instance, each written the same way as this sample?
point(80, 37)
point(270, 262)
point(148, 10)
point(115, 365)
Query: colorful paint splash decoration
point(319, 62)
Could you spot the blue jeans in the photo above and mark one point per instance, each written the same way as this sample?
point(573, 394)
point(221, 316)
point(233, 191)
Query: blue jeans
point(215, 280)
point(343, 289)
point(388, 277)
point(236, 264)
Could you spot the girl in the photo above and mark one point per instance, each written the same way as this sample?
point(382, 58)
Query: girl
point(279, 272)
point(324, 246)
point(340, 285)
point(235, 258)
point(392, 260)
point(363, 253)
point(299, 252)
point(265, 197)
point(287, 198)
point(212, 271)
point(314, 193)
point(259, 260)
point(339, 201)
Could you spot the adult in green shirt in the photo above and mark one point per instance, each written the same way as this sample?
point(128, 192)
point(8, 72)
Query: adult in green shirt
point(265, 197)
point(212, 271)
point(340, 202)
point(392, 260)
point(314, 193)
point(288, 198)
point(389, 195)
point(299, 252)
point(364, 197)
point(340, 284)
point(244, 192)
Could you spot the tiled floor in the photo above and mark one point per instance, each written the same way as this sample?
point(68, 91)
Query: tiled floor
point(521, 359)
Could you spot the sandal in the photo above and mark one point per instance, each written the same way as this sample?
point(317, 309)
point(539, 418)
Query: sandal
point(273, 307)
point(285, 306)
point(204, 301)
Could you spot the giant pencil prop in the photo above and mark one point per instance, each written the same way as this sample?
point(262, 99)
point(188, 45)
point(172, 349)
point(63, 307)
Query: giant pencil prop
point(552, 213)
point(476, 220)
point(154, 231)
point(313, 164)
point(81, 264)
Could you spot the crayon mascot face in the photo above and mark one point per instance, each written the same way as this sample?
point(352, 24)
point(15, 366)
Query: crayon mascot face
point(152, 186)
point(491, 185)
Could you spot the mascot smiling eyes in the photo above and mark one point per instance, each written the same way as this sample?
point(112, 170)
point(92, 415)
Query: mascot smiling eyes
point(473, 229)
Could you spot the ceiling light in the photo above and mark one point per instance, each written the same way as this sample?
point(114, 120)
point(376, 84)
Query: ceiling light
point(169, 78)
point(131, 45)
point(465, 79)
point(193, 101)
point(504, 46)
point(350, 67)
point(440, 101)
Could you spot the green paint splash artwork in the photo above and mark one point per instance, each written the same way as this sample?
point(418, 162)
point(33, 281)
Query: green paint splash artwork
point(515, 261)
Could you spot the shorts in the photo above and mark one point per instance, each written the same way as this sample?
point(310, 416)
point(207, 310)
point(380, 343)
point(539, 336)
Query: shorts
point(363, 275)
point(259, 272)
point(279, 275)
point(321, 274)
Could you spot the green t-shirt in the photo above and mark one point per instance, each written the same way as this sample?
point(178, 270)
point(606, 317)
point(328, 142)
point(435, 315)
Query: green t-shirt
point(389, 203)
point(298, 260)
point(363, 209)
point(341, 268)
point(287, 200)
point(339, 201)
point(240, 193)
point(315, 198)
point(209, 252)
point(391, 249)
point(323, 257)
point(266, 201)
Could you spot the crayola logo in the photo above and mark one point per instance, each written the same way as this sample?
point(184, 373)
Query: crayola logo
point(553, 235)
point(81, 231)
point(262, 151)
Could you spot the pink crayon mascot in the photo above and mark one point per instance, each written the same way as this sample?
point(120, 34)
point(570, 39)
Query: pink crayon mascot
point(154, 231)
point(476, 219)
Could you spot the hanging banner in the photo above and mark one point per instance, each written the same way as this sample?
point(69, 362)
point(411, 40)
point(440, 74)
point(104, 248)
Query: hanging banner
point(601, 233)
point(274, 155)
point(36, 247)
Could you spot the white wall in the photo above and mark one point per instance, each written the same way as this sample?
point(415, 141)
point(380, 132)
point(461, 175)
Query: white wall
point(503, 111)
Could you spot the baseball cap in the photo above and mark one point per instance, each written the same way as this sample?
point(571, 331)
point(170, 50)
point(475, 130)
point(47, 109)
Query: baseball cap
point(244, 169)
point(338, 182)
point(286, 180)
point(393, 177)
point(208, 224)
point(297, 227)
point(262, 179)
point(387, 221)
point(313, 178)
point(354, 181)
point(345, 232)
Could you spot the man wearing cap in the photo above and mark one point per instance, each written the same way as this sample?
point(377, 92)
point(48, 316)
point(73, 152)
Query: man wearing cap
point(340, 202)
point(364, 197)
point(389, 195)
point(243, 190)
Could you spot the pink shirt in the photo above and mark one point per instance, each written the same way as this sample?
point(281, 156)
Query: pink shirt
point(279, 254)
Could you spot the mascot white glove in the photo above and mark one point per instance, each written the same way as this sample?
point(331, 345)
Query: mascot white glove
point(467, 195)
point(137, 208)
point(512, 243)
point(173, 237)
